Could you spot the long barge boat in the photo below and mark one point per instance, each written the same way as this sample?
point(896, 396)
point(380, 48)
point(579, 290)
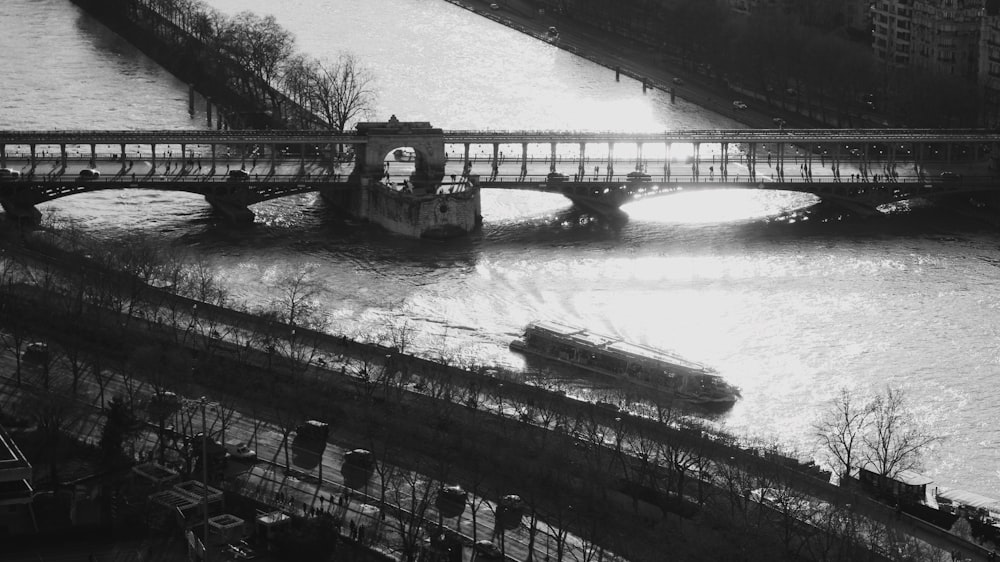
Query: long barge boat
point(640, 365)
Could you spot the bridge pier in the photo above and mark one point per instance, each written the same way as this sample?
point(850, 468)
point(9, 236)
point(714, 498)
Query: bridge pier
point(33, 163)
point(208, 111)
point(638, 157)
point(153, 150)
point(3, 156)
point(228, 207)
point(582, 168)
point(23, 213)
point(552, 160)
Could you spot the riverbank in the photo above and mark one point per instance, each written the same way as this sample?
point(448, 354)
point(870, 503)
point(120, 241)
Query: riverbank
point(471, 421)
point(638, 62)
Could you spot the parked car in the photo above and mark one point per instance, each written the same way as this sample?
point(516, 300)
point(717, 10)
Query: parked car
point(238, 175)
point(9, 174)
point(951, 176)
point(36, 352)
point(313, 430)
point(494, 6)
point(638, 176)
point(677, 80)
point(486, 550)
point(89, 174)
point(737, 104)
point(240, 450)
point(556, 176)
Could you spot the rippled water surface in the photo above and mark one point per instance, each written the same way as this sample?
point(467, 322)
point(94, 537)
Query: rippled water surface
point(789, 304)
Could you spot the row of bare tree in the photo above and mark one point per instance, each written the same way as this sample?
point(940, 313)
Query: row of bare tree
point(336, 91)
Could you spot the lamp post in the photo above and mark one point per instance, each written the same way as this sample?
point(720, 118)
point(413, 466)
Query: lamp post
point(204, 476)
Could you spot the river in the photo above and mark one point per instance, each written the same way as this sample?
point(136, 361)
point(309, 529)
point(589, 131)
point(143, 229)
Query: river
point(789, 304)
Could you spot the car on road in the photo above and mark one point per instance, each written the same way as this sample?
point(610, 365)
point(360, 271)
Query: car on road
point(238, 175)
point(165, 401)
point(638, 176)
point(9, 174)
point(494, 6)
point(361, 458)
point(486, 550)
point(677, 81)
point(36, 352)
point(313, 430)
point(779, 121)
point(89, 174)
point(240, 451)
point(950, 176)
point(556, 176)
point(738, 104)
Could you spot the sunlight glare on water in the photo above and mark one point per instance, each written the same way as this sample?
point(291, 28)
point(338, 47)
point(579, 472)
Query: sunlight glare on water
point(719, 205)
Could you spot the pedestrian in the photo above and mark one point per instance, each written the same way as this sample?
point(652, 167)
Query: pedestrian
point(354, 529)
point(361, 533)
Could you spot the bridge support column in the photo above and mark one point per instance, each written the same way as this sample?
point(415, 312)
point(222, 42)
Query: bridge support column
point(611, 161)
point(582, 168)
point(93, 155)
point(638, 157)
point(3, 156)
point(666, 161)
point(552, 161)
point(524, 160)
point(32, 147)
point(124, 159)
point(64, 157)
point(781, 161)
point(724, 161)
point(274, 156)
point(495, 165)
point(696, 164)
point(208, 111)
point(751, 158)
point(153, 150)
point(836, 161)
point(466, 164)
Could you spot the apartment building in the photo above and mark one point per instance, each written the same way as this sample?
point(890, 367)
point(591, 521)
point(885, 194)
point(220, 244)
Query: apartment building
point(937, 35)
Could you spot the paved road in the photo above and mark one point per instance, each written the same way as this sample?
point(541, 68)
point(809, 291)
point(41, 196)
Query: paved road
point(306, 485)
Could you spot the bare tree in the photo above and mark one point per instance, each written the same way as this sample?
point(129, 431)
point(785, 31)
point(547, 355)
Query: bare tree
point(895, 440)
point(840, 428)
point(260, 45)
point(342, 90)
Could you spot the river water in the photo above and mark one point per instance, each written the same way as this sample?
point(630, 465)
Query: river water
point(789, 304)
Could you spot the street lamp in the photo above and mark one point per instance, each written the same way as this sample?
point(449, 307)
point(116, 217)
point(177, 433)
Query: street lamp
point(204, 474)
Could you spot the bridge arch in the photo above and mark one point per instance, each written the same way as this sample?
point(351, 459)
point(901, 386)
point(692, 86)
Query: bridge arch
point(382, 139)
